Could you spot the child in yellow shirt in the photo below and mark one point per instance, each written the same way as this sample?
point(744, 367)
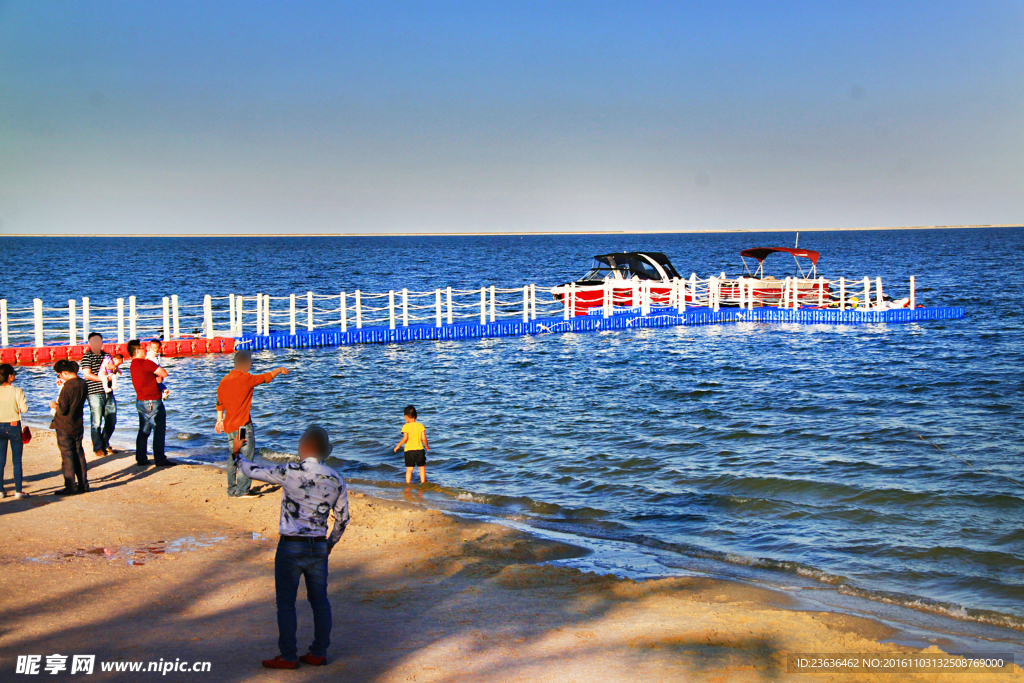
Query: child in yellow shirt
point(414, 438)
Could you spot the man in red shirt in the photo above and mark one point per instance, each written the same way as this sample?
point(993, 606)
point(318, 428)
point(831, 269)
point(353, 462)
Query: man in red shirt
point(234, 401)
point(146, 376)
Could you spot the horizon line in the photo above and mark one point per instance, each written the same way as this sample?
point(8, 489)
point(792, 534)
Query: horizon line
point(523, 233)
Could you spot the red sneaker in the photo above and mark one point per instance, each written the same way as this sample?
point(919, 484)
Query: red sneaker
point(279, 662)
point(313, 660)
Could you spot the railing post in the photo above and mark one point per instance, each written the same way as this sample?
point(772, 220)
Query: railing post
point(878, 293)
point(867, 293)
point(175, 328)
point(645, 297)
point(606, 298)
point(913, 304)
point(259, 313)
point(133, 318)
point(821, 292)
point(718, 294)
point(167, 318)
point(72, 330)
point(37, 320)
point(492, 303)
point(359, 311)
point(231, 312)
point(291, 313)
point(3, 323)
point(437, 306)
point(207, 315)
point(405, 307)
point(681, 295)
point(448, 294)
point(309, 312)
point(565, 302)
point(842, 294)
point(85, 319)
point(391, 309)
point(533, 302)
point(120, 321)
point(344, 313)
point(526, 303)
point(483, 305)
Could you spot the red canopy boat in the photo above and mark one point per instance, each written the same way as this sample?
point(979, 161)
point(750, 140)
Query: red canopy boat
point(810, 288)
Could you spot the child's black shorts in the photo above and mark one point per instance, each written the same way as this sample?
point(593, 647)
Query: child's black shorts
point(416, 458)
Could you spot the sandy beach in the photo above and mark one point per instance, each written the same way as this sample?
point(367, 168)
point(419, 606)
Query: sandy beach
point(159, 564)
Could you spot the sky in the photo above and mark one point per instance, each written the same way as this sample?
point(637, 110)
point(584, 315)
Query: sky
point(393, 117)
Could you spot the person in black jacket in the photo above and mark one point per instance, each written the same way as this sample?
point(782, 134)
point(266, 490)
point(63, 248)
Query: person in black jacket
point(67, 422)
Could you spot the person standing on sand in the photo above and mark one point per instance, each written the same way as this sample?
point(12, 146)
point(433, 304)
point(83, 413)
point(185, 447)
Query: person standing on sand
point(12, 406)
point(102, 408)
point(310, 491)
point(234, 403)
point(146, 377)
point(68, 423)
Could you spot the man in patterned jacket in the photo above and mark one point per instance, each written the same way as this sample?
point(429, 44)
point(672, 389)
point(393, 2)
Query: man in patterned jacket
point(310, 490)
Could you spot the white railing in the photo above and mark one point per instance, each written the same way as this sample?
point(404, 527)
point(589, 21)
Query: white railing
point(236, 314)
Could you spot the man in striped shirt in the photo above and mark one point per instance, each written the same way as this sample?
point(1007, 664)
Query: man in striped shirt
point(102, 407)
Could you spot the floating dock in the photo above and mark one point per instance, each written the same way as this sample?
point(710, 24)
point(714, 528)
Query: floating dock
point(31, 355)
point(657, 317)
point(43, 334)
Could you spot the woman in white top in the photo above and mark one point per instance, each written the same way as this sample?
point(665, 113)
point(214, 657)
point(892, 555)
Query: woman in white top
point(12, 406)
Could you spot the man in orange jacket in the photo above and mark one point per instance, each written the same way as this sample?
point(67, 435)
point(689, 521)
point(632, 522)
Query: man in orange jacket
point(234, 402)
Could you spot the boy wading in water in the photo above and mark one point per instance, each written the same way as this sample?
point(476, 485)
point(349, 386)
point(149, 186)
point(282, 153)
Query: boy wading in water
point(414, 438)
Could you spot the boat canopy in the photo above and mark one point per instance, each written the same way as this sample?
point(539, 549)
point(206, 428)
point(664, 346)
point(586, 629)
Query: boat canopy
point(761, 253)
point(644, 265)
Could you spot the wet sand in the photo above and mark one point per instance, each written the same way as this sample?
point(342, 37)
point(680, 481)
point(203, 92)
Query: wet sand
point(159, 563)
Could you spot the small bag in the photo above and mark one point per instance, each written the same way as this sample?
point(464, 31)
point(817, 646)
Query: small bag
point(26, 435)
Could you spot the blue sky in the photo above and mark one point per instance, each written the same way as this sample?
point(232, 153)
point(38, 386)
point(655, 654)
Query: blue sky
point(151, 117)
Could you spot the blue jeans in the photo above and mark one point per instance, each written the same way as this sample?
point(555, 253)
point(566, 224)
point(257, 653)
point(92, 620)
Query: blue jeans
point(297, 558)
point(102, 419)
point(238, 483)
point(152, 418)
point(11, 434)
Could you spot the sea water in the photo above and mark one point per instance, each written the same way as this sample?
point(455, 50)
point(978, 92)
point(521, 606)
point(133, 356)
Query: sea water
point(875, 460)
